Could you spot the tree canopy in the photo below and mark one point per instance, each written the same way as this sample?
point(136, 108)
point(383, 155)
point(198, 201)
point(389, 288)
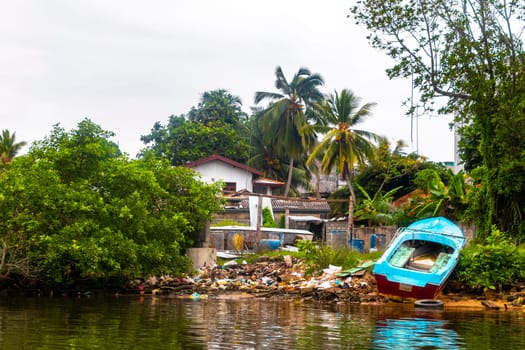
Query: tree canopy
point(282, 121)
point(75, 210)
point(343, 146)
point(218, 105)
point(471, 53)
point(9, 148)
point(216, 126)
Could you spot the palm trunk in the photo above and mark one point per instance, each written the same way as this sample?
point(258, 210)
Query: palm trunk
point(289, 181)
point(351, 203)
point(350, 223)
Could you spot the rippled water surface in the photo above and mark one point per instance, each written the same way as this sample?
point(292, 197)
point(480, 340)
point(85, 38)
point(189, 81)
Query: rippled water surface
point(164, 323)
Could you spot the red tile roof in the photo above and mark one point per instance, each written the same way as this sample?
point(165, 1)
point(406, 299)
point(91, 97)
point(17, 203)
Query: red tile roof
point(224, 160)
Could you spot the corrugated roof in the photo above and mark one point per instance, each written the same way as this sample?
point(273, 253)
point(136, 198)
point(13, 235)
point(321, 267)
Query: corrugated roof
point(296, 205)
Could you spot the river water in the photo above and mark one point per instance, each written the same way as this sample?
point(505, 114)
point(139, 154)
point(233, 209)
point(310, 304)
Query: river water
point(135, 322)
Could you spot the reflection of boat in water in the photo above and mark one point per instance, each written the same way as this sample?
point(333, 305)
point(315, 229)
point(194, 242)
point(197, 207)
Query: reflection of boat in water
point(414, 333)
point(419, 260)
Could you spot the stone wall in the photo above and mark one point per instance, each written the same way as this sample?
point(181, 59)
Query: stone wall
point(362, 237)
point(335, 235)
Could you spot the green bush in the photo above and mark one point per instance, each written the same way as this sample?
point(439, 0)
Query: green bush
point(494, 264)
point(75, 211)
point(267, 218)
point(318, 257)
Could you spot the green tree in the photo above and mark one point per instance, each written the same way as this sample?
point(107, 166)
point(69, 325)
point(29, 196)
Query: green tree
point(468, 148)
point(216, 126)
point(79, 211)
point(182, 141)
point(218, 105)
point(9, 148)
point(265, 157)
point(470, 53)
point(343, 146)
point(448, 199)
point(390, 168)
point(283, 120)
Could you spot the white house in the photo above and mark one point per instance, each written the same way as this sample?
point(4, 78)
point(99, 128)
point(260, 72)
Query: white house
point(236, 176)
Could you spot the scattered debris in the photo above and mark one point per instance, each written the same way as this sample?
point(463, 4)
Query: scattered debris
point(355, 270)
point(280, 277)
point(284, 277)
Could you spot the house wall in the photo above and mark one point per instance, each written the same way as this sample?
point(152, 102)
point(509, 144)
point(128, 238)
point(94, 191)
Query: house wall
point(335, 234)
point(242, 217)
point(219, 171)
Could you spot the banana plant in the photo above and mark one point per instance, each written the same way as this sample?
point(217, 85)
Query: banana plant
point(440, 199)
point(378, 210)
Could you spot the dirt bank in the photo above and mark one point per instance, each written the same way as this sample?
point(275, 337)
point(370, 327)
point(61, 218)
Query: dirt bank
point(285, 277)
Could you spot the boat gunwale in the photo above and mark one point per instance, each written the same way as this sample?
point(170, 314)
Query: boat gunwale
point(432, 232)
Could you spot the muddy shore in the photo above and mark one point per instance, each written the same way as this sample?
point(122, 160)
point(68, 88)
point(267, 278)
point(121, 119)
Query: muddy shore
point(285, 278)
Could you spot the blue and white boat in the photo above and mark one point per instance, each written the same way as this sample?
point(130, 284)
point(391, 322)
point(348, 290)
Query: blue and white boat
point(419, 260)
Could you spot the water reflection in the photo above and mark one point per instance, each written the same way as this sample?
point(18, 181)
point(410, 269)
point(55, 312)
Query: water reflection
point(415, 333)
point(164, 323)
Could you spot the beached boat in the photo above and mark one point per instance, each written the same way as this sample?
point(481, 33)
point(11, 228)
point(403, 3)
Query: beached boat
point(419, 260)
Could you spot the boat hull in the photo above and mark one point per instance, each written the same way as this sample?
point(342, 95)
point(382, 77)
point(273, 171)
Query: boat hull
point(419, 260)
point(407, 291)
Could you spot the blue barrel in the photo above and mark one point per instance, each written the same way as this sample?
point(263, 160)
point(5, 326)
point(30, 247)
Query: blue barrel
point(358, 245)
point(269, 244)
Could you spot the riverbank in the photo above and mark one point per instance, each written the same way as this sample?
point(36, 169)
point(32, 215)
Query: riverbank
point(286, 278)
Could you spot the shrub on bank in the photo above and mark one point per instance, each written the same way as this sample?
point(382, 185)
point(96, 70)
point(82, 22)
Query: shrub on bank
point(495, 264)
point(318, 257)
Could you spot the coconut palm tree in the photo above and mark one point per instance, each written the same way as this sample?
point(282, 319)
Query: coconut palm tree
point(9, 148)
point(284, 118)
point(265, 157)
point(343, 146)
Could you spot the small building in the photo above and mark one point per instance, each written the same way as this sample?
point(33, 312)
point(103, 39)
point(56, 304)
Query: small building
point(245, 185)
point(297, 213)
point(237, 177)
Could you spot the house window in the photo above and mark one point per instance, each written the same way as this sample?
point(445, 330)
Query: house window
point(230, 187)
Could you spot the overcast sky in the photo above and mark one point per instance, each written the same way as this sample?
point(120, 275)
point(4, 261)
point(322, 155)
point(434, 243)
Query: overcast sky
point(126, 64)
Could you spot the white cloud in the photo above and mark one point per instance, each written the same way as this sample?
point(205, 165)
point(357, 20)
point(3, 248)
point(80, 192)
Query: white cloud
point(127, 64)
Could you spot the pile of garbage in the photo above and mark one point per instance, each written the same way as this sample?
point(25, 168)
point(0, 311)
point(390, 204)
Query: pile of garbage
point(268, 277)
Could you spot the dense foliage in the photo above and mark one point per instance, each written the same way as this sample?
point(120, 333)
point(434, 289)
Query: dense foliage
point(471, 53)
point(318, 257)
point(440, 198)
point(267, 156)
point(216, 126)
point(74, 210)
point(391, 168)
point(182, 141)
point(494, 264)
point(8, 146)
point(283, 121)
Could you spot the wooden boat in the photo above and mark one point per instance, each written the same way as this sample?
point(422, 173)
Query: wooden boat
point(419, 260)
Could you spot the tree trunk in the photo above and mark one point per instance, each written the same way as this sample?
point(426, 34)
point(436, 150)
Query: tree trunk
point(350, 223)
point(289, 181)
point(351, 203)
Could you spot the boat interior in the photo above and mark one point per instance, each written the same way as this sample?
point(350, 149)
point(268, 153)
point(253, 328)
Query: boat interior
point(421, 255)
